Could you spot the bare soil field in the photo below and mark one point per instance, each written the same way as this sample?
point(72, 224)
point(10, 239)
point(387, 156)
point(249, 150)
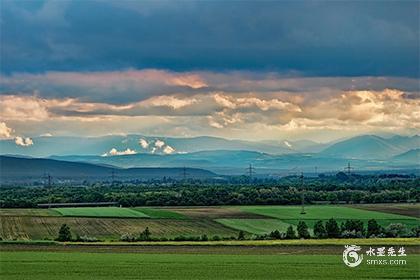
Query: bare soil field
point(412, 210)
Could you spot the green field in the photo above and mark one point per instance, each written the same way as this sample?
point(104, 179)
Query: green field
point(156, 213)
point(77, 265)
point(284, 216)
point(321, 213)
point(115, 212)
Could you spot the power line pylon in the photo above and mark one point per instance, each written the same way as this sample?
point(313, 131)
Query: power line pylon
point(184, 174)
point(348, 169)
point(113, 175)
point(302, 194)
point(250, 171)
point(48, 178)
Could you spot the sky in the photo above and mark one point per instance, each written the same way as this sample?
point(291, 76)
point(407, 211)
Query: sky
point(318, 70)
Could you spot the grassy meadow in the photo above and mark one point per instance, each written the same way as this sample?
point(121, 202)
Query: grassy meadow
point(80, 265)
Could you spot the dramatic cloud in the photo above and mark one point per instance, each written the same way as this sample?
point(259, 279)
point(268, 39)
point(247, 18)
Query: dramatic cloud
point(5, 132)
point(316, 38)
point(115, 152)
point(168, 150)
point(159, 144)
point(143, 143)
point(24, 142)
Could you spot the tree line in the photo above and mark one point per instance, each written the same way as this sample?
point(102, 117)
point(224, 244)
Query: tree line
point(159, 194)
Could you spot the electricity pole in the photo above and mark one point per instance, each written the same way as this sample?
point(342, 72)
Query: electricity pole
point(302, 195)
point(250, 171)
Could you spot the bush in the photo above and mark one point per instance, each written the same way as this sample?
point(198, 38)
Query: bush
point(302, 230)
point(415, 232)
point(355, 226)
point(396, 230)
point(241, 235)
point(290, 233)
point(204, 237)
point(145, 235)
point(216, 238)
point(275, 234)
point(85, 238)
point(373, 228)
point(127, 237)
point(319, 230)
point(333, 231)
point(351, 234)
point(64, 233)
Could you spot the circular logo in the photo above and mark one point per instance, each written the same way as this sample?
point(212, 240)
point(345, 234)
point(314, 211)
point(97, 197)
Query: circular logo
point(351, 257)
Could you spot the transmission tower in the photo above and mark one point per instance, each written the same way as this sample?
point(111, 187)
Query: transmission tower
point(184, 174)
point(348, 169)
point(250, 171)
point(302, 194)
point(113, 175)
point(48, 179)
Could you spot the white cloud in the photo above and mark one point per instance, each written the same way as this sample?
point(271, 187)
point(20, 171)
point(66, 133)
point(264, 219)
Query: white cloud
point(143, 143)
point(115, 152)
point(5, 132)
point(287, 144)
point(23, 141)
point(46, 135)
point(159, 143)
point(168, 150)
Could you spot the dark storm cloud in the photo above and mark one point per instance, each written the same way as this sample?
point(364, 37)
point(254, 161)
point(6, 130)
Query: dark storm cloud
point(312, 38)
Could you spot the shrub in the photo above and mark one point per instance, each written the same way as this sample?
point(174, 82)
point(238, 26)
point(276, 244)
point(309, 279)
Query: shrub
point(85, 238)
point(373, 228)
point(145, 235)
point(216, 238)
point(302, 230)
point(127, 237)
point(290, 233)
point(396, 230)
point(319, 230)
point(331, 226)
point(275, 234)
point(204, 237)
point(241, 235)
point(64, 233)
point(355, 226)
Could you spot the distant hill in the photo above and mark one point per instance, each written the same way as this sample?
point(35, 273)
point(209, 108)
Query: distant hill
point(236, 162)
point(29, 169)
point(371, 147)
point(412, 156)
point(48, 146)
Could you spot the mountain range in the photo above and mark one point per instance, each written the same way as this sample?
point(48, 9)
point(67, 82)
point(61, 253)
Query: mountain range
point(17, 169)
point(223, 156)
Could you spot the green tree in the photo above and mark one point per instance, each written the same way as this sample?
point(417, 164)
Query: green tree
point(241, 235)
point(275, 234)
point(302, 230)
point(64, 233)
point(373, 228)
point(290, 233)
point(319, 230)
point(331, 226)
point(204, 237)
point(145, 235)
